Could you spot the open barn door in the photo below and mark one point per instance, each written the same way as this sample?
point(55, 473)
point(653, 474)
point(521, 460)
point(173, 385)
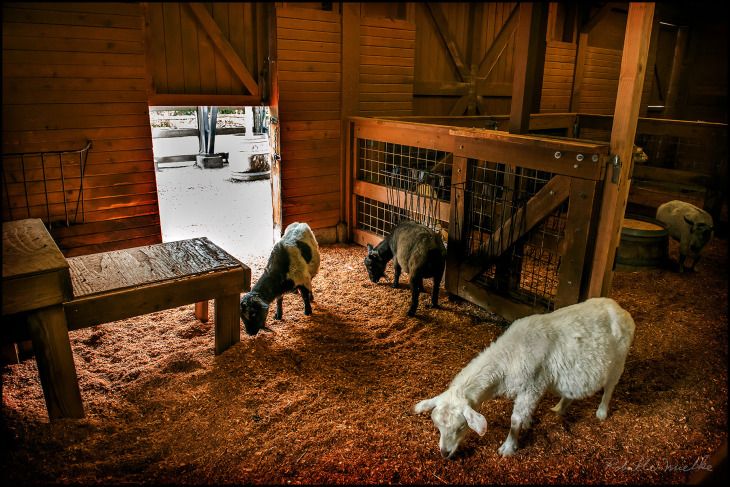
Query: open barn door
point(209, 55)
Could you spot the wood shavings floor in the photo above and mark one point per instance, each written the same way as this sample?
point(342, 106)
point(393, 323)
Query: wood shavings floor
point(328, 398)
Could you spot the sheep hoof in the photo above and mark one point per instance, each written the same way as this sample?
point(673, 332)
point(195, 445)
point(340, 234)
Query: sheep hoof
point(601, 414)
point(278, 316)
point(307, 312)
point(506, 450)
point(411, 312)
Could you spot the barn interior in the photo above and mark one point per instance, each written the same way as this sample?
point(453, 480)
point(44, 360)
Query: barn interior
point(537, 139)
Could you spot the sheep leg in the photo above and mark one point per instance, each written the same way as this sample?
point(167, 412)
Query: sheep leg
point(682, 257)
point(396, 272)
point(279, 308)
point(611, 381)
point(521, 418)
point(562, 406)
point(436, 285)
point(306, 297)
point(416, 286)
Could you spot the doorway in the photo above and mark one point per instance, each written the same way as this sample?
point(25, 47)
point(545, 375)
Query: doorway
point(213, 176)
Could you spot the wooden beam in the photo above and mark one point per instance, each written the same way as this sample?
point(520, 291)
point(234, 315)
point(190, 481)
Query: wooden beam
point(593, 21)
point(529, 64)
point(350, 94)
point(578, 69)
point(381, 193)
point(442, 27)
point(227, 51)
point(186, 99)
point(623, 132)
point(454, 256)
point(440, 88)
point(500, 42)
point(540, 205)
point(670, 102)
point(461, 105)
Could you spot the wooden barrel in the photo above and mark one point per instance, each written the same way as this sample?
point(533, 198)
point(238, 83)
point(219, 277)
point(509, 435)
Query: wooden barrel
point(644, 243)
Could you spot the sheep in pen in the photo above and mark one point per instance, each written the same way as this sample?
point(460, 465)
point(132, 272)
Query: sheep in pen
point(509, 245)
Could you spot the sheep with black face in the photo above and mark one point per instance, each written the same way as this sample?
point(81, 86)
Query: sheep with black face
point(293, 262)
point(415, 249)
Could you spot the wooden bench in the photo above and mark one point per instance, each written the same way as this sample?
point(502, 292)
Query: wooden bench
point(111, 286)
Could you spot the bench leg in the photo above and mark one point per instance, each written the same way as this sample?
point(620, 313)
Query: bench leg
point(227, 322)
point(201, 311)
point(49, 332)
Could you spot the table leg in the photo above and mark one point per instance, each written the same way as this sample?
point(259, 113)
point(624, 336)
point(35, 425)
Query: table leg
point(49, 332)
point(201, 311)
point(227, 322)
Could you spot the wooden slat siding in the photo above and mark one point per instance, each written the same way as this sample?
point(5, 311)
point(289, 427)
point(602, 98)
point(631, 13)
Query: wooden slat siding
point(204, 49)
point(74, 72)
point(387, 60)
point(557, 77)
point(309, 56)
point(600, 81)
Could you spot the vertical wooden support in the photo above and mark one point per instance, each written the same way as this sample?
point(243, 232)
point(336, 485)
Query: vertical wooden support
point(455, 254)
point(623, 132)
point(529, 64)
point(49, 332)
point(274, 127)
point(350, 161)
point(670, 102)
point(201, 311)
point(580, 62)
point(227, 322)
point(350, 103)
point(575, 243)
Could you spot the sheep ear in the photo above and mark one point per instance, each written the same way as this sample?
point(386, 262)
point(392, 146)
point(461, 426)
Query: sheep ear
point(689, 222)
point(476, 421)
point(426, 405)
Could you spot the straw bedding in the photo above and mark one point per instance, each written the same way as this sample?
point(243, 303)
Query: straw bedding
point(328, 398)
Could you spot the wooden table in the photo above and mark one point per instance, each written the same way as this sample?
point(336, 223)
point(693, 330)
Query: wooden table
point(46, 295)
point(36, 281)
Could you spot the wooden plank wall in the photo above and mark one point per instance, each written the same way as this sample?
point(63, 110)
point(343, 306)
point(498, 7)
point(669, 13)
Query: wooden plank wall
point(600, 81)
point(474, 29)
point(74, 72)
point(387, 58)
point(309, 55)
point(184, 58)
point(558, 77)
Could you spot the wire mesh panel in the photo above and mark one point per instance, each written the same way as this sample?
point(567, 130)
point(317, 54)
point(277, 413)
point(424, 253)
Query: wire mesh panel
point(518, 263)
point(416, 181)
point(46, 185)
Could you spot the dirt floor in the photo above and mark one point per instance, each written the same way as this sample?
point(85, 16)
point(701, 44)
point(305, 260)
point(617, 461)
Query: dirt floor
point(328, 398)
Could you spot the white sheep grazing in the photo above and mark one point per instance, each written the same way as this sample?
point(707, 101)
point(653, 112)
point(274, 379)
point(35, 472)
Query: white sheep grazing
point(572, 352)
point(692, 226)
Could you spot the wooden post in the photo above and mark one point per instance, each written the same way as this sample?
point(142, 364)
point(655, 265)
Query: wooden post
point(227, 322)
point(580, 61)
point(623, 132)
point(201, 311)
point(56, 368)
point(350, 104)
point(456, 242)
point(670, 102)
point(274, 125)
point(529, 64)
